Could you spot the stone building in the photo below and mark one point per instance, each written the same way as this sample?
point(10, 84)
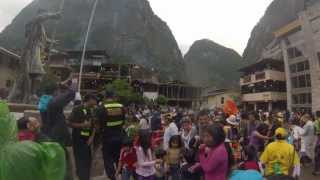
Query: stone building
point(300, 45)
point(8, 69)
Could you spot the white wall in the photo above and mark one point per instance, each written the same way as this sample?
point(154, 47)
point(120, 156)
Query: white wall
point(151, 95)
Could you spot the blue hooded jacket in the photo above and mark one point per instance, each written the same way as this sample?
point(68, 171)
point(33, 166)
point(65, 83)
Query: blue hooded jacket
point(245, 175)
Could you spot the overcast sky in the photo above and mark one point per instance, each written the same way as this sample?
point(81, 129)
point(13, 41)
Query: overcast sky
point(227, 22)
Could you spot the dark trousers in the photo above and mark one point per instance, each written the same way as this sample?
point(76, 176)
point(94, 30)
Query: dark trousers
point(175, 171)
point(317, 156)
point(68, 175)
point(128, 174)
point(83, 159)
point(44, 121)
point(146, 178)
point(111, 152)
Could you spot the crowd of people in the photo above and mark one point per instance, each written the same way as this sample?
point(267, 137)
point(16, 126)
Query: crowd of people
point(159, 143)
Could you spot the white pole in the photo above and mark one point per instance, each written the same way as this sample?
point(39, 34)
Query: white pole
point(86, 41)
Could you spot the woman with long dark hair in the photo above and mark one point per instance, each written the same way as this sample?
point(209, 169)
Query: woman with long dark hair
point(215, 155)
point(145, 163)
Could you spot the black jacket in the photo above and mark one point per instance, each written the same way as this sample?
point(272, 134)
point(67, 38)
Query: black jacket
point(56, 127)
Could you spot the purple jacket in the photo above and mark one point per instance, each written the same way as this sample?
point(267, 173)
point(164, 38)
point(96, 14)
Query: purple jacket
point(215, 163)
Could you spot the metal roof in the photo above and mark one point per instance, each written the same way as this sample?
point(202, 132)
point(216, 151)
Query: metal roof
point(9, 53)
point(261, 63)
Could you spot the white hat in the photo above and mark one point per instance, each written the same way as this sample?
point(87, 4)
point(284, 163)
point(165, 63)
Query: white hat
point(232, 119)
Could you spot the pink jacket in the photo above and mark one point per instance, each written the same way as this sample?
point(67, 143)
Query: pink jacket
point(214, 163)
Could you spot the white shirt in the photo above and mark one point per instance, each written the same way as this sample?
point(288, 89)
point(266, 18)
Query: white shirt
point(297, 132)
point(186, 138)
point(170, 131)
point(144, 124)
point(308, 138)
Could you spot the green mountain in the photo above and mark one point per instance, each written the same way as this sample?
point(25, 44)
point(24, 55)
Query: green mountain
point(210, 64)
point(127, 29)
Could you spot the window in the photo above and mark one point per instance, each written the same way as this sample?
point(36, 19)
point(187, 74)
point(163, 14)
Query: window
point(302, 81)
point(222, 100)
point(293, 68)
point(294, 82)
point(306, 65)
point(300, 66)
point(294, 52)
point(295, 99)
point(309, 98)
point(308, 80)
point(304, 98)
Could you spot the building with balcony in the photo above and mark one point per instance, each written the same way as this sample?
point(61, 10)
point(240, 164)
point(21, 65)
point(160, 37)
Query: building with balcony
point(263, 85)
point(99, 70)
point(300, 45)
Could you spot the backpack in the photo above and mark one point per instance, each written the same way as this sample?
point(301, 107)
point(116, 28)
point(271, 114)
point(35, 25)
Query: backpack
point(43, 102)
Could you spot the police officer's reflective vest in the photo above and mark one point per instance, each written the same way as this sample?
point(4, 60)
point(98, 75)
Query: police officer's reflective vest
point(115, 115)
point(85, 132)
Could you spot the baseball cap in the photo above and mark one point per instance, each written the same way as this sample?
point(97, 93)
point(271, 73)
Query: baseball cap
point(281, 132)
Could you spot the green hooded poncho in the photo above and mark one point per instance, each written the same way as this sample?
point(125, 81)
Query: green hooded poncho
point(27, 160)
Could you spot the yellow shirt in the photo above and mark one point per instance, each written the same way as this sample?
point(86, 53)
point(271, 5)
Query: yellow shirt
point(279, 157)
point(173, 156)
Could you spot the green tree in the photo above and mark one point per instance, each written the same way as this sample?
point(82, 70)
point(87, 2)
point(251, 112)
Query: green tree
point(125, 92)
point(162, 100)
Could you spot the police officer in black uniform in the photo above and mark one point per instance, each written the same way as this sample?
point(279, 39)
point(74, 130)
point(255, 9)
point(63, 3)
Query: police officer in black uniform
point(81, 121)
point(111, 116)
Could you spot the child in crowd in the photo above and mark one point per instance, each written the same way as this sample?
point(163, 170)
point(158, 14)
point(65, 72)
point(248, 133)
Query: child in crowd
point(231, 129)
point(187, 131)
point(160, 164)
point(28, 129)
point(127, 161)
point(174, 156)
point(190, 160)
point(145, 163)
point(170, 130)
point(251, 159)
